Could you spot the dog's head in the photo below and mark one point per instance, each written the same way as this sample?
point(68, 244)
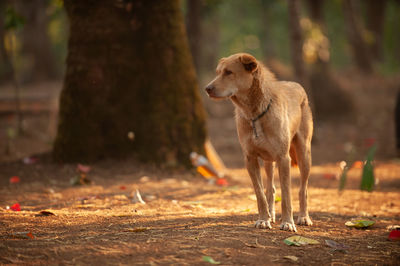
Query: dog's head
point(234, 75)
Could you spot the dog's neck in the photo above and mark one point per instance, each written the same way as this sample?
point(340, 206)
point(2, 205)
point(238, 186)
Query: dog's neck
point(256, 99)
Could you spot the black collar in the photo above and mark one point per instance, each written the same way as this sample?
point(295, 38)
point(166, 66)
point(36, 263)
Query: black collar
point(253, 121)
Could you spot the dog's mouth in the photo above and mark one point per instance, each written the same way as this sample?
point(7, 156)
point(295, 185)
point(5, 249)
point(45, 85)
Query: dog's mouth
point(214, 96)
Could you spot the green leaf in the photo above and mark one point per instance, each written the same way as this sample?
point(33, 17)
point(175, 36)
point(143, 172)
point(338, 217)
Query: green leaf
point(278, 199)
point(210, 260)
point(299, 241)
point(368, 179)
point(360, 223)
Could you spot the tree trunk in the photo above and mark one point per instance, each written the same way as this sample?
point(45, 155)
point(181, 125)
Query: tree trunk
point(361, 56)
point(193, 26)
point(36, 45)
point(375, 23)
point(296, 45)
point(130, 85)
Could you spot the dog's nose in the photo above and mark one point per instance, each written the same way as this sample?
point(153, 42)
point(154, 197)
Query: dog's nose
point(209, 88)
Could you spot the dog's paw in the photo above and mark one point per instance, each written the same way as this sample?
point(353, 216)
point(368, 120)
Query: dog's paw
point(288, 226)
point(304, 220)
point(272, 216)
point(262, 224)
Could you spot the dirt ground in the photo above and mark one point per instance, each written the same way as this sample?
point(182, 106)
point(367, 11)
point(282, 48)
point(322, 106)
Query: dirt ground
point(185, 217)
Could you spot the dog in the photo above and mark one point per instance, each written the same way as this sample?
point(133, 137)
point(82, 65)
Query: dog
point(274, 123)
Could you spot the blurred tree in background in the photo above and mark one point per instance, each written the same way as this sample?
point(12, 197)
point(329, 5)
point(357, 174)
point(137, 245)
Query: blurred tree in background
point(130, 85)
point(218, 28)
point(40, 48)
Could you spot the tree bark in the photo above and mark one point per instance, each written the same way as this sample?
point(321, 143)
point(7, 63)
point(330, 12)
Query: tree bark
point(130, 85)
point(375, 23)
point(193, 26)
point(361, 56)
point(36, 44)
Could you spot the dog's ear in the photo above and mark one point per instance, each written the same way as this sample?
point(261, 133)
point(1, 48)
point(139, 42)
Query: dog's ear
point(249, 62)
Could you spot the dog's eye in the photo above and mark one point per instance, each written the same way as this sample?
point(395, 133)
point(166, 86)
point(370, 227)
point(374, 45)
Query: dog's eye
point(227, 72)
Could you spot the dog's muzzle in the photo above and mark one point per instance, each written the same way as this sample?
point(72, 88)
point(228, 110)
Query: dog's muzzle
point(210, 89)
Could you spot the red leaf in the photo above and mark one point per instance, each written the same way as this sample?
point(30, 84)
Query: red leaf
point(329, 176)
point(122, 187)
point(394, 235)
point(369, 142)
point(14, 180)
point(222, 182)
point(30, 235)
point(15, 207)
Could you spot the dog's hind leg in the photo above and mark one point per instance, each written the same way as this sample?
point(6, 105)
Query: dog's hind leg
point(270, 191)
point(264, 220)
point(303, 152)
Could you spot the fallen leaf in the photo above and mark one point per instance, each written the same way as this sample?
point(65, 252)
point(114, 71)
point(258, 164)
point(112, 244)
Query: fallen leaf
point(30, 160)
point(299, 240)
point(23, 235)
point(83, 168)
point(360, 223)
point(394, 235)
point(122, 187)
point(30, 235)
point(136, 197)
point(292, 258)
point(15, 207)
point(246, 210)
point(335, 245)
point(44, 213)
point(330, 176)
point(14, 180)
point(222, 182)
point(256, 245)
point(210, 260)
point(358, 164)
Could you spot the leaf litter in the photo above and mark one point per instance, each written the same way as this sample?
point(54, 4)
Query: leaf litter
point(110, 224)
point(299, 241)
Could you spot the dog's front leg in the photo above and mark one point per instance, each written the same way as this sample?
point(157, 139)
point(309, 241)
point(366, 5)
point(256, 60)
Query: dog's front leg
point(264, 220)
point(284, 177)
point(269, 170)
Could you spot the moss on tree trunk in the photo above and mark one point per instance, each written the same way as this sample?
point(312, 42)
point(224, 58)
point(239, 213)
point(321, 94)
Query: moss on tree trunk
point(129, 69)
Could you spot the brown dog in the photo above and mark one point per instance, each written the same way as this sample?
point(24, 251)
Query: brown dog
point(274, 123)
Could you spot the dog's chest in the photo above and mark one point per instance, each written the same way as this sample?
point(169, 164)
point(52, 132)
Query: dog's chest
point(260, 145)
